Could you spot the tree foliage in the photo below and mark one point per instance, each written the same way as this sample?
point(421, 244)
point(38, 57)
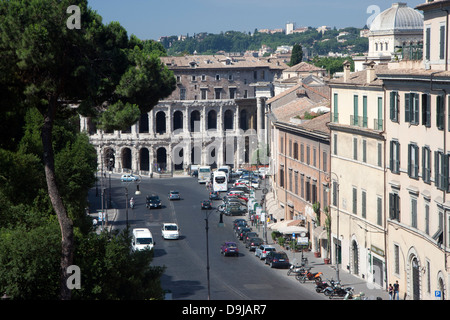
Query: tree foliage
point(297, 55)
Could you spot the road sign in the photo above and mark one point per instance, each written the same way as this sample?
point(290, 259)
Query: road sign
point(437, 294)
point(303, 241)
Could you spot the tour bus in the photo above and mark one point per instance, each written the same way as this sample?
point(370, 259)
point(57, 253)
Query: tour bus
point(220, 182)
point(227, 170)
point(204, 174)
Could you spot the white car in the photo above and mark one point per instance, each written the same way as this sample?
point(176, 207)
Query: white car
point(263, 249)
point(170, 231)
point(142, 239)
point(129, 177)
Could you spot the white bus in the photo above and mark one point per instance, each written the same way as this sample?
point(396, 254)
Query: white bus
point(220, 182)
point(227, 170)
point(204, 174)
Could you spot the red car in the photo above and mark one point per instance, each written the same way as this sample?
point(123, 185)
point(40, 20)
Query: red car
point(229, 248)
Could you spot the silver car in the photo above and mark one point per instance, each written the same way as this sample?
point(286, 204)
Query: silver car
point(174, 195)
point(263, 249)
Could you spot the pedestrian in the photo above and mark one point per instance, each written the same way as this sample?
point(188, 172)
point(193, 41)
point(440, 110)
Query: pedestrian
point(396, 288)
point(391, 291)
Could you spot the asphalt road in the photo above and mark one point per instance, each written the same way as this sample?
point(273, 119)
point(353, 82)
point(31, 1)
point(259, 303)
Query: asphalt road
point(231, 278)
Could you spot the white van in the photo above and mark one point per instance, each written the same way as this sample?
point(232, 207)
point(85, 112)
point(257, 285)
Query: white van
point(142, 239)
point(170, 231)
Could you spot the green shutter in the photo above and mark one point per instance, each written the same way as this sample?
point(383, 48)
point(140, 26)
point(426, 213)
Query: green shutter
point(407, 107)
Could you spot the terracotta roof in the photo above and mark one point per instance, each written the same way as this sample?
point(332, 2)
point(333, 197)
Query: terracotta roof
point(303, 67)
point(360, 77)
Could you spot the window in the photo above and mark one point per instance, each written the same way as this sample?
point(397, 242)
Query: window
point(364, 123)
point(396, 259)
point(394, 206)
point(426, 164)
point(194, 78)
point(204, 94)
point(335, 110)
point(394, 158)
point(427, 42)
point(296, 182)
point(364, 151)
point(290, 179)
point(412, 108)
point(380, 155)
point(427, 218)
point(440, 112)
point(232, 93)
point(314, 157)
point(245, 93)
point(282, 177)
point(307, 154)
point(308, 190)
point(379, 211)
point(355, 110)
point(217, 92)
point(290, 148)
point(379, 125)
point(203, 77)
point(393, 107)
point(335, 144)
point(217, 76)
point(355, 201)
point(414, 212)
point(295, 150)
point(426, 110)
point(302, 153)
point(441, 170)
point(355, 149)
point(363, 204)
point(302, 186)
point(325, 159)
point(230, 77)
point(182, 93)
point(413, 161)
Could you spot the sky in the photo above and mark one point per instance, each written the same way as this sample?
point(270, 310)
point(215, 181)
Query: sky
point(152, 19)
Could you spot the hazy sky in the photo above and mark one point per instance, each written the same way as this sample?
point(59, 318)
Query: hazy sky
point(151, 19)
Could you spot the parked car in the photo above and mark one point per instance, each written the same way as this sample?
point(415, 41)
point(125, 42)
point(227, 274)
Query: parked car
point(153, 201)
point(174, 195)
point(249, 235)
point(229, 248)
point(170, 231)
point(214, 195)
point(242, 231)
point(236, 221)
point(277, 259)
point(206, 205)
point(235, 211)
point(253, 243)
point(129, 177)
point(262, 251)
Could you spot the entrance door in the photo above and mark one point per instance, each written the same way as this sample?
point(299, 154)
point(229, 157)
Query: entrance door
point(415, 279)
point(378, 271)
point(355, 258)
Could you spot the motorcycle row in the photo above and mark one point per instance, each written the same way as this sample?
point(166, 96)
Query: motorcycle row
point(329, 288)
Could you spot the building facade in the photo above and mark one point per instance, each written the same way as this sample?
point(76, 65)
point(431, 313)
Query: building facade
point(215, 116)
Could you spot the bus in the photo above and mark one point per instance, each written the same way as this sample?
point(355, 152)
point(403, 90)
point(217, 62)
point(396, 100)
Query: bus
point(220, 182)
point(227, 170)
point(204, 174)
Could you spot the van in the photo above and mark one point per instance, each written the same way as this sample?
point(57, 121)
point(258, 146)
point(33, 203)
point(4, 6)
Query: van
point(142, 239)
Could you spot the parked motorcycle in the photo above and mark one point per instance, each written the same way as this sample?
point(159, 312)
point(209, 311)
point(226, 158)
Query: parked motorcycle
point(308, 275)
point(296, 269)
point(336, 290)
point(321, 285)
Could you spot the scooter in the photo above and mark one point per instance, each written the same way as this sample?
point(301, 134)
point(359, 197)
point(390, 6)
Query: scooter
point(307, 275)
point(295, 269)
point(131, 203)
point(336, 290)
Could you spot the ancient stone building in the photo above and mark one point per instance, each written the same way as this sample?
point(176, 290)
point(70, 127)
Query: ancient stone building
point(215, 116)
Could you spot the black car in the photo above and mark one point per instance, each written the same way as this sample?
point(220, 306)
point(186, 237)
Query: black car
point(153, 201)
point(277, 259)
point(235, 210)
point(248, 235)
point(242, 231)
point(253, 243)
point(206, 205)
point(214, 195)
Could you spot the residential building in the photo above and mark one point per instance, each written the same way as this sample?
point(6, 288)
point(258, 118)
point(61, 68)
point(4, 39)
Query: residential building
point(357, 174)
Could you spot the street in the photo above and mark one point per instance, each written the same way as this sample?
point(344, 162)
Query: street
point(231, 278)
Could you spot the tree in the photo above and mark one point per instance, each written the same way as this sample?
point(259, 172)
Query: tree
point(46, 65)
point(297, 55)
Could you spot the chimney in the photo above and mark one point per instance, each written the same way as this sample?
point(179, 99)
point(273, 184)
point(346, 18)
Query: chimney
point(370, 71)
point(346, 70)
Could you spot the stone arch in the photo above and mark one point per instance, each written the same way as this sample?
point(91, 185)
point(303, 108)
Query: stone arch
point(441, 284)
point(195, 121)
point(228, 120)
point(126, 157)
point(144, 159)
point(109, 159)
point(161, 159)
point(212, 120)
point(177, 120)
point(161, 122)
point(413, 274)
point(143, 123)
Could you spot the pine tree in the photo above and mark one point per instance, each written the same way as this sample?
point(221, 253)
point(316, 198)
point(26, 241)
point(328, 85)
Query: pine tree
point(297, 55)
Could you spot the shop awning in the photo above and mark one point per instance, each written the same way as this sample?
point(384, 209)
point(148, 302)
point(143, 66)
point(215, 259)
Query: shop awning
point(292, 229)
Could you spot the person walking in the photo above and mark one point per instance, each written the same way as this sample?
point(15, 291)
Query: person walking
point(396, 288)
point(391, 291)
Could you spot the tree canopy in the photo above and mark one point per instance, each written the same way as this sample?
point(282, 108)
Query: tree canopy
point(48, 67)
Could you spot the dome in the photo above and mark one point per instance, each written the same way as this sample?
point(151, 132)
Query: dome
point(399, 17)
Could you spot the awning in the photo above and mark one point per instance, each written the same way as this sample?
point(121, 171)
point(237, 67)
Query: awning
point(292, 229)
point(320, 233)
point(278, 225)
